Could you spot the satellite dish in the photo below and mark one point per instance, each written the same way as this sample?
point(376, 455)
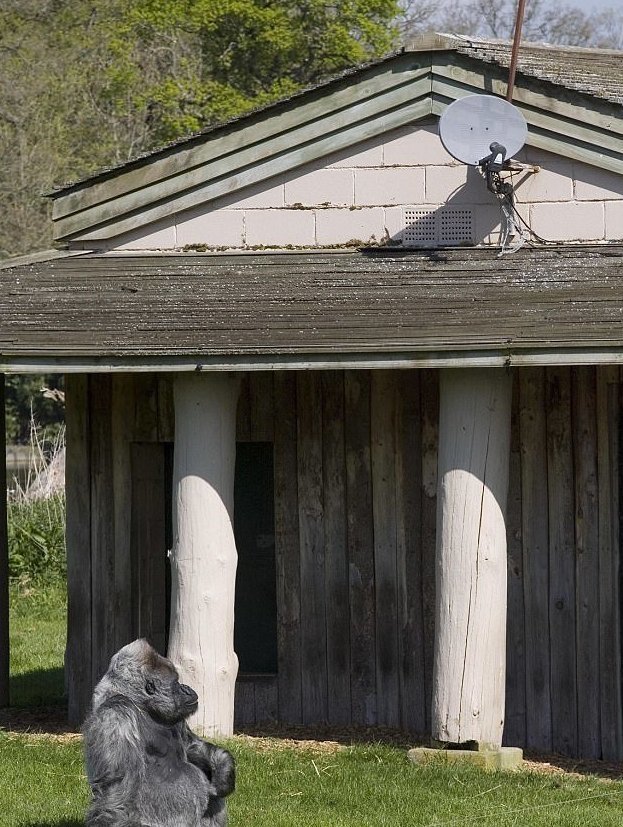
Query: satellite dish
point(470, 125)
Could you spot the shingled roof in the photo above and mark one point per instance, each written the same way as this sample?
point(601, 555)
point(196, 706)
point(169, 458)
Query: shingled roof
point(317, 309)
point(595, 72)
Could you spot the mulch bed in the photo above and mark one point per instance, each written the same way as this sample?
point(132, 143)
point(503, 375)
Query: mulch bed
point(51, 722)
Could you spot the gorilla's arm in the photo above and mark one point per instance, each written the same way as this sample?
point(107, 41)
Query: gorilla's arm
point(112, 744)
point(216, 763)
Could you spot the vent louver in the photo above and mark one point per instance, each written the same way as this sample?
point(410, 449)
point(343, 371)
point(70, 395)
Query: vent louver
point(427, 226)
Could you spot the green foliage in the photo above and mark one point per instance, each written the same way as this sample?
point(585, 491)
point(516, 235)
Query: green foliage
point(37, 538)
point(86, 84)
point(215, 59)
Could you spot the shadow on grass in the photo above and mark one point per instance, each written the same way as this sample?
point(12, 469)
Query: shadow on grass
point(36, 720)
point(72, 823)
point(41, 687)
point(300, 736)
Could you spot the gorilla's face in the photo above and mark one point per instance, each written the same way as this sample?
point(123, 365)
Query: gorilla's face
point(164, 697)
point(151, 682)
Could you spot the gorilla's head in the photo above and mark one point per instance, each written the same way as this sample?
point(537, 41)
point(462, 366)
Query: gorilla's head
point(150, 682)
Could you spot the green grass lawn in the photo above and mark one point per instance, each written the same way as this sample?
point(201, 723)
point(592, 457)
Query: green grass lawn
point(37, 634)
point(42, 780)
point(42, 784)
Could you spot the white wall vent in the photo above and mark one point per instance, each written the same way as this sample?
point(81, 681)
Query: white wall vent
point(429, 226)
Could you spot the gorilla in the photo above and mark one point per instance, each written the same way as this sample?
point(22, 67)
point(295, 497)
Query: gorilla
point(144, 765)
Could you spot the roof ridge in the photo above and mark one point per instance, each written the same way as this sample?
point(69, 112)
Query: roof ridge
point(450, 39)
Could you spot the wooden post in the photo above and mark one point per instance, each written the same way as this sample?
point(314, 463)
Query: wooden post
point(79, 651)
point(470, 632)
point(4, 564)
point(203, 559)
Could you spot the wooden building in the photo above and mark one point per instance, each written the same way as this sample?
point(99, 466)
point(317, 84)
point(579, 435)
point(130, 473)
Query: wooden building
point(301, 318)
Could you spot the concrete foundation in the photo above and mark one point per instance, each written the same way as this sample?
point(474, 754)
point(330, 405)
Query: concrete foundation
point(494, 758)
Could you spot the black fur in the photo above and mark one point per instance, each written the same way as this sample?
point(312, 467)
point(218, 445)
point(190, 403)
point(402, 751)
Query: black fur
point(145, 766)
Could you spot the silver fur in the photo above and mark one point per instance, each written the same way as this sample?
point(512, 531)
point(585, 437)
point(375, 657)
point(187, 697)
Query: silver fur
point(145, 766)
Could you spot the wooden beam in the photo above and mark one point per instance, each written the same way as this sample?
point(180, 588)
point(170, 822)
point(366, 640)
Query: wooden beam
point(455, 81)
point(470, 630)
point(608, 469)
point(203, 559)
point(312, 549)
point(4, 564)
point(383, 456)
point(78, 541)
point(360, 542)
point(332, 359)
point(535, 536)
point(562, 562)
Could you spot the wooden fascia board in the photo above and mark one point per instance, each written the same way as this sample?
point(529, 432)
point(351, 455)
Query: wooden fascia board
point(588, 130)
point(531, 92)
point(502, 357)
point(416, 107)
point(224, 163)
point(242, 134)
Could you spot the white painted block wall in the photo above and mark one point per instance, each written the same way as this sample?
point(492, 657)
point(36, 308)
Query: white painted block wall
point(358, 197)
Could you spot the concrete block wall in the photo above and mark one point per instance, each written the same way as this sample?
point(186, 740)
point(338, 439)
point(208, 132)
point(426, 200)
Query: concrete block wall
point(359, 196)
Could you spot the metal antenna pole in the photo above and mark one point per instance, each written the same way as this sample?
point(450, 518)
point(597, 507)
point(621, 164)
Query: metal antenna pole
point(515, 50)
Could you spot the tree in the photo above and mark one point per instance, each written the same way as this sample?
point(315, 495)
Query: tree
point(564, 24)
point(86, 84)
point(219, 58)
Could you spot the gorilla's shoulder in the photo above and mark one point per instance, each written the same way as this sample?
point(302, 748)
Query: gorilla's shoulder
point(114, 717)
point(115, 704)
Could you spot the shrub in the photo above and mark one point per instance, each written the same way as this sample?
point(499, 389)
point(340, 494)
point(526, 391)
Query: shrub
point(36, 512)
point(37, 538)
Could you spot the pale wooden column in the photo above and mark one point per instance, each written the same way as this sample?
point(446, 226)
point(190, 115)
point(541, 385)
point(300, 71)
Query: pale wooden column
point(203, 559)
point(470, 632)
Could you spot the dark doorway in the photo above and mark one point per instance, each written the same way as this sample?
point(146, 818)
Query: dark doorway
point(255, 631)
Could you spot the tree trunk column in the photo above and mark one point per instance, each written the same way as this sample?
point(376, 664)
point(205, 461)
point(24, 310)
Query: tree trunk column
point(470, 631)
point(204, 558)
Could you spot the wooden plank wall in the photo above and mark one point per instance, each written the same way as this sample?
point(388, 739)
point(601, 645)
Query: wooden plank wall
point(355, 599)
point(116, 429)
point(356, 646)
point(355, 456)
point(4, 564)
point(564, 652)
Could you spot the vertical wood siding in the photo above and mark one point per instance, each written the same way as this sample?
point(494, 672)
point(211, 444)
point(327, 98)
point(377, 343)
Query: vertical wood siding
point(355, 601)
point(355, 470)
point(566, 515)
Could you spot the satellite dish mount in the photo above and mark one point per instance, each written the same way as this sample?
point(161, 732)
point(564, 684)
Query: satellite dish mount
point(491, 166)
point(486, 131)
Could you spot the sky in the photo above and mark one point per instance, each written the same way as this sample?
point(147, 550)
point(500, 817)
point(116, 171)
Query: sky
point(598, 5)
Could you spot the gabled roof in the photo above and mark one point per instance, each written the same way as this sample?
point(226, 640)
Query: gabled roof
point(596, 72)
point(571, 98)
point(320, 309)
